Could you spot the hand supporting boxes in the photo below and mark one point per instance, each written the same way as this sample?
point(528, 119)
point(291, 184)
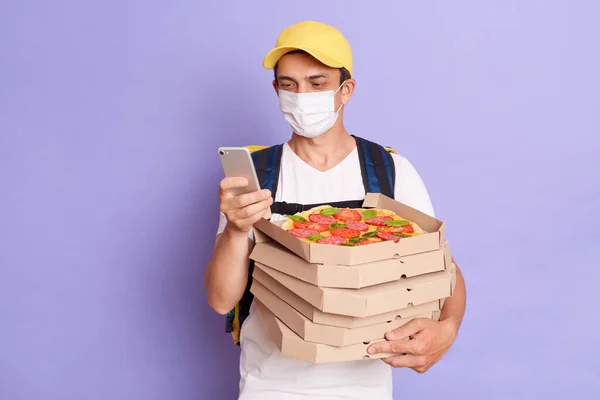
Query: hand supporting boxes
point(325, 303)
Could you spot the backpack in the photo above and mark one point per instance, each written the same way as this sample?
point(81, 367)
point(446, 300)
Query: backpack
point(378, 176)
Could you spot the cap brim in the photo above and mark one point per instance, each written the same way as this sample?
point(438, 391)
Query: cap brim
point(274, 55)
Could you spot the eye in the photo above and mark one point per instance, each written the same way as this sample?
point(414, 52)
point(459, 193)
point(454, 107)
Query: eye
point(320, 85)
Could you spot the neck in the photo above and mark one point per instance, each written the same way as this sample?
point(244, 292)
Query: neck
point(326, 151)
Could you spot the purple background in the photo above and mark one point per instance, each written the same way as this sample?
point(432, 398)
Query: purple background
point(110, 115)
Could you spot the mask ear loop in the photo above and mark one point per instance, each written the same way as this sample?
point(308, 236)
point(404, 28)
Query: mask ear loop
point(336, 90)
point(339, 87)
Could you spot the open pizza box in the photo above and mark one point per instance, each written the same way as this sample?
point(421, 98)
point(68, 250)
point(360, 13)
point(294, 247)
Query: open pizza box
point(273, 255)
point(263, 281)
point(368, 301)
point(431, 240)
point(325, 334)
point(292, 345)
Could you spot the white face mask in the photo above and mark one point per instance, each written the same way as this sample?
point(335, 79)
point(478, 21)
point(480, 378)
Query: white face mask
point(309, 114)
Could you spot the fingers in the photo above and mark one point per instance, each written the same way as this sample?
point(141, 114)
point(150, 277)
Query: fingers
point(407, 330)
point(250, 198)
point(418, 345)
point(253, 209)
point(417, 363)
point(242, 211)
point(240, 201)
point(246, 223)
point(232, 183)
point(395, 346)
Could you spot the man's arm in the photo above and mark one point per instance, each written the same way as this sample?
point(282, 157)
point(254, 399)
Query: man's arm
point(226, 274)
point(429, 339)
point(454, 307)
point(227, 271)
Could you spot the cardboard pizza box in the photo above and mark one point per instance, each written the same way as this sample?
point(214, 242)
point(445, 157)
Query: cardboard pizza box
point(274, 255)
point(316, 253)
point(325, 334)
point(262, 281)
point(370, 300)
point(292, 345)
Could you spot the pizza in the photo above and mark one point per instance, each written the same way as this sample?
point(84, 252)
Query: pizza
point(349, 226)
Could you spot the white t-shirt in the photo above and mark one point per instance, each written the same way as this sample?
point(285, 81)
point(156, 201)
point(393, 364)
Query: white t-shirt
point(265, 373)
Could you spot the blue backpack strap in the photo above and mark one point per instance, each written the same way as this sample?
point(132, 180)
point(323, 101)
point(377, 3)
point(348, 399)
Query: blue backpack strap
point(377, 167)
point(267, 162)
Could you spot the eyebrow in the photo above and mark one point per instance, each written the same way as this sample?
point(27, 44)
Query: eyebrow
point(312, 77)
point(287, 78)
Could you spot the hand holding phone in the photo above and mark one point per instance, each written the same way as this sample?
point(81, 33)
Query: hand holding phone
point(237, 163)
point(242, 200)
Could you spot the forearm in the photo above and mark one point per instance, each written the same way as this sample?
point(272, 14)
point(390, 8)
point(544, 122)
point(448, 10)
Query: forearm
point(226, 274)
point(454, 306)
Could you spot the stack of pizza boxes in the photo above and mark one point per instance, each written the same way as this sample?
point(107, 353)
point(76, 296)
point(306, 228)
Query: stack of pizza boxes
point(327, 303)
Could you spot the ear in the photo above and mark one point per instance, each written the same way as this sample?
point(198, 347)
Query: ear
point(348, 90)
point(275, 87)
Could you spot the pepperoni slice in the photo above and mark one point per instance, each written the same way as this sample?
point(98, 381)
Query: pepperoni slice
point(348, 215)
point(322, 219)
point(303, 233)
point(311, 225)
point(345, 233)
point(388, 236)
point(357, 226)
point(336, 240)
point(378, 221)
point(396, 229)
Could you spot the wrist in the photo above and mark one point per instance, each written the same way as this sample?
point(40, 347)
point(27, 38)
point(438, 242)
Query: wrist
point(234, 233)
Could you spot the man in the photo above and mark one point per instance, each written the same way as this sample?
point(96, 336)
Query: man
point(320, 163)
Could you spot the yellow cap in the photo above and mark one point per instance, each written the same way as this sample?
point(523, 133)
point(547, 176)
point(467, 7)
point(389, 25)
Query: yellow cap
point(322, 41)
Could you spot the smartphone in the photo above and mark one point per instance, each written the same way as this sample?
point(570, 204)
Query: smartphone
point(237, 163)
